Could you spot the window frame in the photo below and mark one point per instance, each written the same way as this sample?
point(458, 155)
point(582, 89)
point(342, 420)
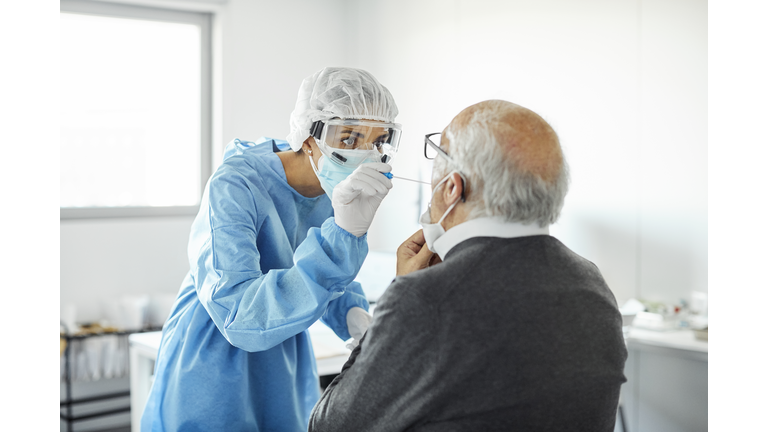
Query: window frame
point(202, 19)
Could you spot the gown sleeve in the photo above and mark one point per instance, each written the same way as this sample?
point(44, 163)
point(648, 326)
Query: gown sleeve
point(335, 316)
point(257, 310)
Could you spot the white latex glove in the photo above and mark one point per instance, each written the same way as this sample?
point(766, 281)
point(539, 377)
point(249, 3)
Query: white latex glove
point(358, 321)
point(356, 199)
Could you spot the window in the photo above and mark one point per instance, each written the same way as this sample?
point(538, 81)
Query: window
point(135, 110)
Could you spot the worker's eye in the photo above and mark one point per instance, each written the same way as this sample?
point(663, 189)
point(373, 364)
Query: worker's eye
point(349, 142)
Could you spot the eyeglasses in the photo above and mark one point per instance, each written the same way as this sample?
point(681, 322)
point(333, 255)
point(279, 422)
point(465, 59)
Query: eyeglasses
point(431, 150)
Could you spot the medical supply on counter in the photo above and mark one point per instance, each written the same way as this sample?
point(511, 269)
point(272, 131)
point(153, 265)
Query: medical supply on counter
point(653, 321)
point(661, 316)
point(629, 310)
point(700, 303)
point(702, 334)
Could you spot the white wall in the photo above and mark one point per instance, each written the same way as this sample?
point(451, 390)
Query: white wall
point(673, 198)
point(269, 48)
point(623, 83)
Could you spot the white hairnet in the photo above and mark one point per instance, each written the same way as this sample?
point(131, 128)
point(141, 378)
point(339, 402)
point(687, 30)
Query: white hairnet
point(339, 92)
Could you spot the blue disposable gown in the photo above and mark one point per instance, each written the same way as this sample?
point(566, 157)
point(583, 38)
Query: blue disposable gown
point(265, 263)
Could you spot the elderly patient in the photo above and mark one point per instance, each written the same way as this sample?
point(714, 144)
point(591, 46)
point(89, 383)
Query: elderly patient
point(491, 323)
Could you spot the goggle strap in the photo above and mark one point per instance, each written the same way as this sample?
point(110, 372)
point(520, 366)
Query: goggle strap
point(317, 129)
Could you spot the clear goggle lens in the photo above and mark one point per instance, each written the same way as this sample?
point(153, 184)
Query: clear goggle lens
point(352, 142)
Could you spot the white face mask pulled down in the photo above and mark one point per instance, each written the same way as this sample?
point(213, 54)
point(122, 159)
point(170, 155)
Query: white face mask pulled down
point(433, 231)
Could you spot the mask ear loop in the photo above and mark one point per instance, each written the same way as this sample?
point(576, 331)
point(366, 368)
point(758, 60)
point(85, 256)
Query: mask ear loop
point(447, 211)
point(455, 202)
point(312, 162)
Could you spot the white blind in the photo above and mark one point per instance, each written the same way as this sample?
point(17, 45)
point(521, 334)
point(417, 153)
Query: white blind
point(130, 112)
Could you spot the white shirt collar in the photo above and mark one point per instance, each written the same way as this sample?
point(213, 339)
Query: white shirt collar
point(485, 227)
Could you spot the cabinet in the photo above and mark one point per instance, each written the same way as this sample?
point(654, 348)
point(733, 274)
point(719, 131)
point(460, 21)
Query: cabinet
point(666, 388)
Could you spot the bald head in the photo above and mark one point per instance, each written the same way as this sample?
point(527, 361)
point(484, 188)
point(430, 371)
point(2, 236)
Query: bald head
point(523, 137)
point(514, 161)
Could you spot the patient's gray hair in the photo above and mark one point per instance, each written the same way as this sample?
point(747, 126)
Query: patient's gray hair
point(512, 160)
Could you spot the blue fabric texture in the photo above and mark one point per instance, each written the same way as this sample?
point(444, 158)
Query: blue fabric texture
point(265, 264)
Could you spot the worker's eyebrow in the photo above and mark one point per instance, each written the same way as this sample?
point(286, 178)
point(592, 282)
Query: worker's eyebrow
point(352, 132)
point(362, 135)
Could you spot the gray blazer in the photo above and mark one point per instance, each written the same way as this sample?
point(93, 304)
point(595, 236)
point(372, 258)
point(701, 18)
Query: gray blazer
point(517, 334)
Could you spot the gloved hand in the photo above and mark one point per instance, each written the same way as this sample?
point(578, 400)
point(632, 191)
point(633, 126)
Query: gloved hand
point(356, 198)
point(358, 321)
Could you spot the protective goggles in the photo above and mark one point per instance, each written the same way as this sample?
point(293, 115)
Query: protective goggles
point(353, 142)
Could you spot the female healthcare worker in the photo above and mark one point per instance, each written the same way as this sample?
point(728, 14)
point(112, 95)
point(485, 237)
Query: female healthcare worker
point(269, 255)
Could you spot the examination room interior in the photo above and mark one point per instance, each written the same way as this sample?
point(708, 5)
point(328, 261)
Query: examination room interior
point(623, 82)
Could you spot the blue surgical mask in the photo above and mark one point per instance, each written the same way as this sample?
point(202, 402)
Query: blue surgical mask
point(329, 173)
